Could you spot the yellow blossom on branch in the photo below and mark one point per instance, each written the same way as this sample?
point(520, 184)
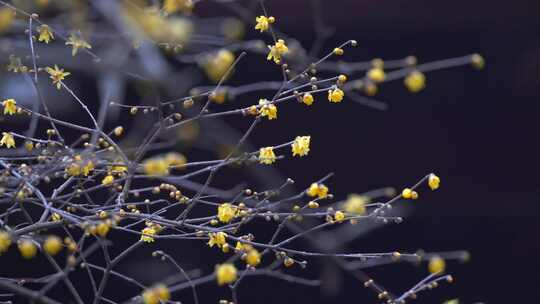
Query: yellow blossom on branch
point(263, 23)
point(219, 239)
point(226, 274)
point(267, 155)
point(10, 106)
point(52, 245)
point(217, 64)
point(376, 75)
point(45, 34)
point(156, 166)
point(319, 190)
point(226, 212)
point(300, 146)
point(267, 109)
point(415, 81)
point(277, 50)
point(7, 140)
point(5, 241)
point(148, 234)
point(434, 181)
point(157, 294)
point(307, 99)
point(253, 257)
point(436, 265)
point(57, 75)
point(77, 43)
point(335, 95)
point(27, 249)
point(355, 204)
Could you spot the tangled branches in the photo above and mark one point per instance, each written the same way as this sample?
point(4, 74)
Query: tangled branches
point(95, 193)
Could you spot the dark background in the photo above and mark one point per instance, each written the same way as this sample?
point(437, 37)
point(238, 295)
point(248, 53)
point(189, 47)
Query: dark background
point(477, 130)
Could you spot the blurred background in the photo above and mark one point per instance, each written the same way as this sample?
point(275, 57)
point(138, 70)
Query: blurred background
point(476, 129)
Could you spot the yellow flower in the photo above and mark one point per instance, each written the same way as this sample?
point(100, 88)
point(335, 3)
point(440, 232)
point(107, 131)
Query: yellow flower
point(243, 246)
point(268, 109)
point(10, 106)
point(436, 264)
point(376, 75)
point(335, 95)
point(175, 160)
point(307, 99)
point(45, 34)
point(300, 146)
point(355, 204)
point(217, 64)
point(406, 193)
point(173, 6)
point(87, 168)
point(77, 42)
point(5, 241)
point(277, 50)
point(57, 75)
point(156, 166)
point(226, 212)
point(253, 257)
point(338, 51)
point(339, 216)
point(157, 294)
point(102, 229)
point(148, 234)
point(434, 181)
point(415, 81)
point(118, 131)
point(73, 169)
point(6, 18)
point(263, 23)
point(478, 61)
point(226, 274)
point(219, 239)
point(318, 190)
point(27, 249)
point(267, 156)
point(107, 180)
point(55, 217)
point(52, 245)
point(7, 140)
